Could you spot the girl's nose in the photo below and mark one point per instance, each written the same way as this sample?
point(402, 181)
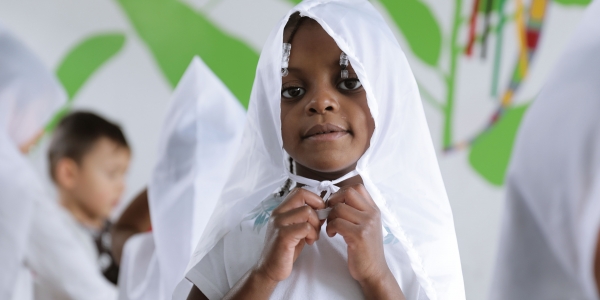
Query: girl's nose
point(323, 101)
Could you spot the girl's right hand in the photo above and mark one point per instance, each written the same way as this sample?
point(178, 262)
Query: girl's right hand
point(291, 225)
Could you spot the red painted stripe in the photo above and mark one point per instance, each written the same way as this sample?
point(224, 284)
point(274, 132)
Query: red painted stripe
point(532, 39)
point(472, 27)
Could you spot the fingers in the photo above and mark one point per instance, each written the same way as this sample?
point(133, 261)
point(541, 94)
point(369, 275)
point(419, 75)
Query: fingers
point(299, 197)
point(341, 227)
point(298, 232)
point(355, 235)
point(297, 215)
point(360, 188)
point(346, 212)
point(354, 215)
point(352, 197)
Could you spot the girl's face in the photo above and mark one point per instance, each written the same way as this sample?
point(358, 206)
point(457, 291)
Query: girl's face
point(326, 124)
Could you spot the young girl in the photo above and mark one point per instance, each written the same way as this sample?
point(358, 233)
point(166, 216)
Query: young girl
point(369, 216)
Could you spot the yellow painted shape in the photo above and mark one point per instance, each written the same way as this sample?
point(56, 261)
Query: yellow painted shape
point(537, 9)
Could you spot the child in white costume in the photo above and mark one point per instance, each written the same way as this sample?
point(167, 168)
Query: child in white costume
point(34, 238)
point(549, 240)
point(198, 142)
point(392, 181)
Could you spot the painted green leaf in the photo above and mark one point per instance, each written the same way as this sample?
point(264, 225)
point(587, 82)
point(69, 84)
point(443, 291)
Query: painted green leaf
point(496, 5)
point(175, 33)
point(490, 154)
point(81, 63)
point(419, 27)
point(83, 60)
point(574, 2)
point(295, 1)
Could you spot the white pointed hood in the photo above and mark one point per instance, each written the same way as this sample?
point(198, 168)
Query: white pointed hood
point(399, 169)
point(29, 95)
point(198, 142)
point(552, 216)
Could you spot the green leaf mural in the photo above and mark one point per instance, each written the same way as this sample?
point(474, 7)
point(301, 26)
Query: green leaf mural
point(574, 2)
point(83, 60)
point(419, 27)
point(496, 5)
point(81, 63)
point(175, 33)
point(490, 154)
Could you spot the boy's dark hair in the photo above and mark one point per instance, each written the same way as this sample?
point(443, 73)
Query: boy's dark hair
point(77, 133)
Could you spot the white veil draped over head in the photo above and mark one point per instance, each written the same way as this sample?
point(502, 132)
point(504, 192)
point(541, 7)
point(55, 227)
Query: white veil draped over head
point(552, 215)
point(197, 146)
point(399, 169)
point(29, 94)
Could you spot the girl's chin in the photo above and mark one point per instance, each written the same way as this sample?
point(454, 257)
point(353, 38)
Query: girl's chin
point(331, 167)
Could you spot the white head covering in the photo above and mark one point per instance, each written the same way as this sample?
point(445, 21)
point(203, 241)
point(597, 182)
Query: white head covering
point(399, 169)
point(199, 139)
point(29, 94)
point(552, 217)
point(139, 276)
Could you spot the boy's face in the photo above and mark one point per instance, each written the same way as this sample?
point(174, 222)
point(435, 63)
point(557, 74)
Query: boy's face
point(99, 180)
point(326, 123)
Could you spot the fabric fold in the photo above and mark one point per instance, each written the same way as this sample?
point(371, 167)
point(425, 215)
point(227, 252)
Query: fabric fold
point(200, 135)
point(551, 220)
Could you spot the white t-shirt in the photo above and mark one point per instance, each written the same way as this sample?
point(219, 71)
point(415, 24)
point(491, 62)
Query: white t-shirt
point(320, 272)
point(60, 260)
point(82, 234)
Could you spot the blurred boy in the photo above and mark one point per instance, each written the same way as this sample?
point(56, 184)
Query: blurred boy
point(88, 158)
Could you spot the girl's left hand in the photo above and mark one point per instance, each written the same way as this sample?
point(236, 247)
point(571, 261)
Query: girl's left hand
point(356, 217)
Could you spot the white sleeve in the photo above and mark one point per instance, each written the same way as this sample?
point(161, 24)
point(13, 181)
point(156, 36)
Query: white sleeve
point(59, 260)
point(209, 275)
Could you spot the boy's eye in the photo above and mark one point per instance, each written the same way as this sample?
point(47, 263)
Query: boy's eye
point(293, 92)
point(350, 84)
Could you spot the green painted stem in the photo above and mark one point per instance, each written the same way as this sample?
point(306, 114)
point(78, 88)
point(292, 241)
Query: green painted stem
point(455, 52)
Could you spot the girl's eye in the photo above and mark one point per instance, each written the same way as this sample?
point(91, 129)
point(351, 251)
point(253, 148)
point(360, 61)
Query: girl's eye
point(293, 92)
point(350, 84)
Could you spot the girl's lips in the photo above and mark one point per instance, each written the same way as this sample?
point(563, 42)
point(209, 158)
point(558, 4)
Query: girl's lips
point(325, 132)
point(324, 137)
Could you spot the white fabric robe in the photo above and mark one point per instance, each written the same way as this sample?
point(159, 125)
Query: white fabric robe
point(552, 216)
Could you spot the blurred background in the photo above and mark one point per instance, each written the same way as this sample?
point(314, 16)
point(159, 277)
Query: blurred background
point(479, 64)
